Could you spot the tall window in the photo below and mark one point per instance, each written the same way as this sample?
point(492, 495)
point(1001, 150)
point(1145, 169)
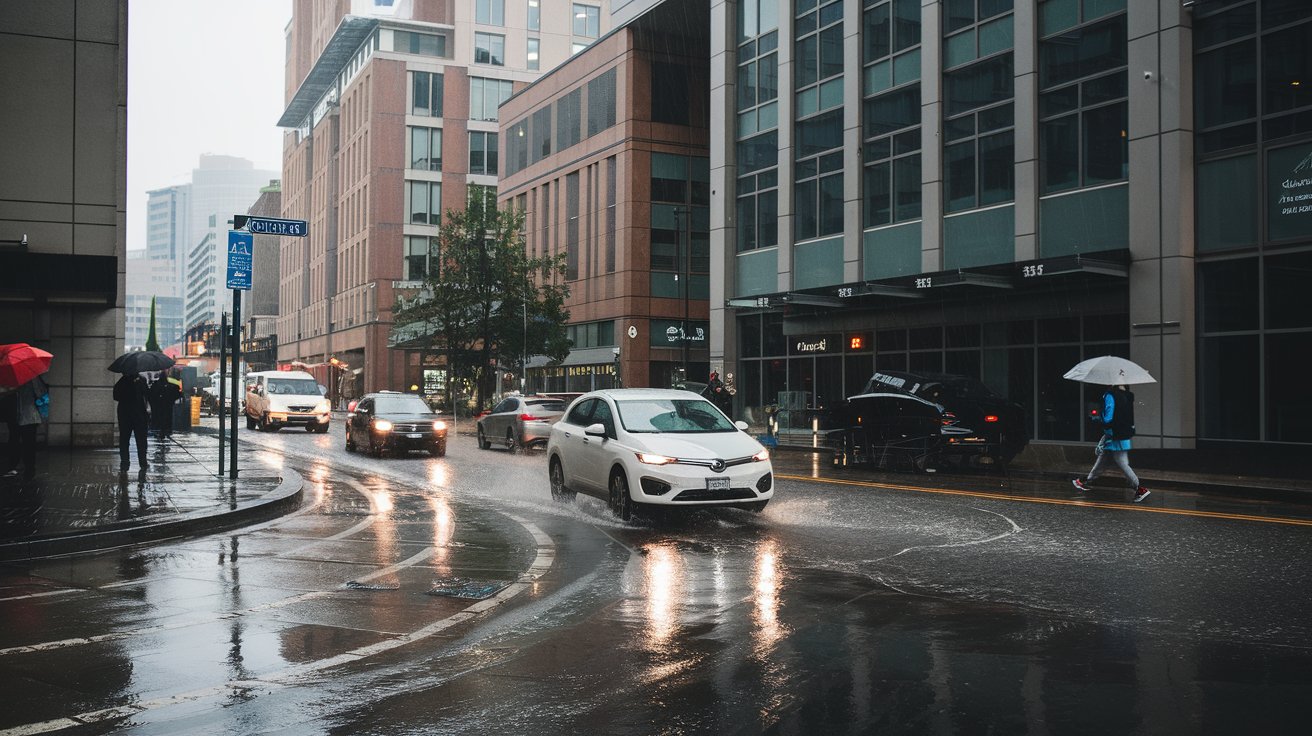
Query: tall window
point(534, 15)
point(534, 56)
point(490, 48)
point(756, 210)
point(421, 259)
point(572, 226)
point(425, 148)
point(587, 21)
point(426, 94)
point(490, 12)
point(540, 138)
point(569, 120)
point(426, 44)
point(423, 202)
point(482, 153)
point(758, 85)
point(485, 95)
point(1083, 114)
point(818, 183)
point(978, 134)
point(891, 112)
point(680, 219)
point(601, 102)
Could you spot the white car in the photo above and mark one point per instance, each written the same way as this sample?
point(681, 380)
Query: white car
point(659, 447)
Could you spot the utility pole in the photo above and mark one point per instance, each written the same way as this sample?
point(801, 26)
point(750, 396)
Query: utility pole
point(682, 219)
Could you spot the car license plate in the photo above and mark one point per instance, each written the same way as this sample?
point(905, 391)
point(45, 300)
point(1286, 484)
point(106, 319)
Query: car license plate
point(717, 484)
point(414, 435)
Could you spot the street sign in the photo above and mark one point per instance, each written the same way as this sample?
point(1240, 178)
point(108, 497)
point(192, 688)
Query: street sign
point(240, 249)
point(272, 226)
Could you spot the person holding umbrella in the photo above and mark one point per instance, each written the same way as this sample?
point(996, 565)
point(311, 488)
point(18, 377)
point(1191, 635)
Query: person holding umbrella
point(24, 403)
point(1117, 417)
point(131, 394)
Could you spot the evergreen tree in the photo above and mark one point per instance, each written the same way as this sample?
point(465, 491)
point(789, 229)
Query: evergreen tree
point(152, 342)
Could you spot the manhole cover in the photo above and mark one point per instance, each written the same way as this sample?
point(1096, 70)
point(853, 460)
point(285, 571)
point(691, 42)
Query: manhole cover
point(468, 589)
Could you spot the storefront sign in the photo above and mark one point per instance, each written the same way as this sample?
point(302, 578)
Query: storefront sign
point(670, 333)
point(815, 344)
point(1289, 192)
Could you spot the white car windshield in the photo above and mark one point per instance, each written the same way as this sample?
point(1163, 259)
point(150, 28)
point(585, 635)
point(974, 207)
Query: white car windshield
point(293, 387)
point(672, 415)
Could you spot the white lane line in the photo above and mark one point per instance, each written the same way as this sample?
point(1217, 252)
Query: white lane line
point(542, 563)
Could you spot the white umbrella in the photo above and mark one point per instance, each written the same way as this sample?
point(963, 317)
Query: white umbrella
point(1109, 370)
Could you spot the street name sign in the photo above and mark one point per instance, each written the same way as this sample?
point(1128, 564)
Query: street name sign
point(272, 226)
point(240, 249)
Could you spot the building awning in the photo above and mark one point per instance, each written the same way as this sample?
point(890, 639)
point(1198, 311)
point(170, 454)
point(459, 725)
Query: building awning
point(984, 280)
point(582, 356)
point(58, 278)
point(346, 40)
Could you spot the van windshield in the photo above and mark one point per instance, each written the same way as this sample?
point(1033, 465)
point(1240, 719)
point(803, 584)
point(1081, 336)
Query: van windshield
point(293, 387)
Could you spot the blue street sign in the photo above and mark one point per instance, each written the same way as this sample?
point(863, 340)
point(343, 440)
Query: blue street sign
point(275, 226)
point(241, 247)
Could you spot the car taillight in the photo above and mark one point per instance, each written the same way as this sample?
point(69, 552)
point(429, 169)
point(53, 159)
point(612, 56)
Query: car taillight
point(949, 418)
point(526, 417)
point(990, 417)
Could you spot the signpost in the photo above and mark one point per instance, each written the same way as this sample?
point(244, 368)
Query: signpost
point(241, 256)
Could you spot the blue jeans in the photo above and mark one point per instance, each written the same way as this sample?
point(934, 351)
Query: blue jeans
point(1122, 460)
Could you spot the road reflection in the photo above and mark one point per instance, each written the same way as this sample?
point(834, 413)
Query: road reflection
point(444, 528)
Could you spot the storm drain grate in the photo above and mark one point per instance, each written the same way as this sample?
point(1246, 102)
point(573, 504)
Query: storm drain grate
point(469, 589)
point(356, 585)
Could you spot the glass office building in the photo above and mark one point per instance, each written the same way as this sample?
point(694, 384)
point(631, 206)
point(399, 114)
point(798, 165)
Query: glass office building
point(1001, 189)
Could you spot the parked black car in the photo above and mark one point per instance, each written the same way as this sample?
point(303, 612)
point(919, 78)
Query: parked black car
point(390, 421)
point(887, 428)
point(979, 426)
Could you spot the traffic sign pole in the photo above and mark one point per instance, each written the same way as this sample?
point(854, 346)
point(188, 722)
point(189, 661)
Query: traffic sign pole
point(236, 378)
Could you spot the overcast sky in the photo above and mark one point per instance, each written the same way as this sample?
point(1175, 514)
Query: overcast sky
point(203, 77)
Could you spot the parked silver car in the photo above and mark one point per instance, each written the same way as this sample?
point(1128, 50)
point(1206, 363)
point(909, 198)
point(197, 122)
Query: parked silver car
point(520, 421)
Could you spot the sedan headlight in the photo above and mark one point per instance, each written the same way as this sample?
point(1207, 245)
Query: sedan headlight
point(323, 407)
point(653, 459)
point(439, 425)
point(382, 425)
point(761, 456)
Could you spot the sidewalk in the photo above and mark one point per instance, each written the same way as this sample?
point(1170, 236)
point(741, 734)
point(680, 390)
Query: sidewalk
point(1202, 471)
point(79, 502)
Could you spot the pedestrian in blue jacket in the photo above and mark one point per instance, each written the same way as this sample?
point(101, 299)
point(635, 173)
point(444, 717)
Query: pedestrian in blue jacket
point(1117, 429)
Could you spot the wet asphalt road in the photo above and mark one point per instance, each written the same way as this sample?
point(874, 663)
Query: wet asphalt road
point(843, 608)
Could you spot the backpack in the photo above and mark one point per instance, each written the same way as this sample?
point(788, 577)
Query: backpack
point(42, 398)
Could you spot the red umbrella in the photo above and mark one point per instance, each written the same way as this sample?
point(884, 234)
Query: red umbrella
point(20, 363)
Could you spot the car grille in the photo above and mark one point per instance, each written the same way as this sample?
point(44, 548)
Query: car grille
point(702, 494)
point(412, 427)
point(300, 408)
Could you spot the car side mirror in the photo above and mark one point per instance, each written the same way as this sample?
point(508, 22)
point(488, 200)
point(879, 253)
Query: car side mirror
point(740, 424)
point(323, 390)
point(595, 430)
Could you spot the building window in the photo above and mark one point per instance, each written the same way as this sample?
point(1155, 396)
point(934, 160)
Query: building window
point(534, 16)
point(569, 120)
point(757, 213)
point(425, 44)
point(517, 148)
point(891, 154)
point(756, 18)
point(818, 58)
point(534, 56)
point(540, 139)
point(490, 12)
point(601, 102)
point(680, 229)
point(490, 48)
point(978, 134)
point(758, 85)
point(572, 226)
point(483, 153)
point(483, 196)
point(421, 259)
point(975, 29)
point(426, 148)
point(592, 334)
point(485, 95)
point(1083, 114)
point(423, 202)
point(612, 185)
point(426, 94)
point(587, 21)
point(818, 190)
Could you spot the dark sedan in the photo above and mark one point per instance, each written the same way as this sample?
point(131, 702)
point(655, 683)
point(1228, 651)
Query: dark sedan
point(389, 421)
point(978, 424)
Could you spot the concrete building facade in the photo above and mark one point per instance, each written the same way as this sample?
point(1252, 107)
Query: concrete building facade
point(608, 159)
point(62, 202)
point(151, 279)
point(391, 116)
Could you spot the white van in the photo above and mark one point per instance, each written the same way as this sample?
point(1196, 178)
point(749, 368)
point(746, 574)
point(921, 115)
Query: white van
point(275, 399)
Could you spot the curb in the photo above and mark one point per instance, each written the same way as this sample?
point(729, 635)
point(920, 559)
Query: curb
point(282, 499)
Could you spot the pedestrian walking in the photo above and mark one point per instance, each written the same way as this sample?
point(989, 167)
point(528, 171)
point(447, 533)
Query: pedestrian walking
point(24, 409)
point(130, 392)
point(1117, 429)
point(716, 393)
point(163, 394)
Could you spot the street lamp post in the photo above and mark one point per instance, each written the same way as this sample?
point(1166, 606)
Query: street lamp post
point(682, 214)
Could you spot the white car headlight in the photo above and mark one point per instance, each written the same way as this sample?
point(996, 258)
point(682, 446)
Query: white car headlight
point(382, 425)
point(761, 456)
point(323, 407)
point(654, 459)
point(439, 425)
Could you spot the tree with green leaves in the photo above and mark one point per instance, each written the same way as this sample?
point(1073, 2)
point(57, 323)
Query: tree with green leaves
point(486, 302)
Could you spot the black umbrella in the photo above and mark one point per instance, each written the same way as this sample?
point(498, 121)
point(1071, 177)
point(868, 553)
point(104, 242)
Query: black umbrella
point(140, 361)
